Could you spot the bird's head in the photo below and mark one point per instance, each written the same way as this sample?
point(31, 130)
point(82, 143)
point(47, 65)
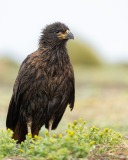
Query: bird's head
point(55, 34)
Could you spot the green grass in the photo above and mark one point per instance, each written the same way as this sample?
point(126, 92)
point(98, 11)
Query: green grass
point(77, 141)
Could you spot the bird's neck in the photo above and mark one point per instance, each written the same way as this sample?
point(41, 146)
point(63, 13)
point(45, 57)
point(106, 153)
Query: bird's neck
point(56, 55)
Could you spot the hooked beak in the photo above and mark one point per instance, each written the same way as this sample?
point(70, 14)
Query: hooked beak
point(67, 35)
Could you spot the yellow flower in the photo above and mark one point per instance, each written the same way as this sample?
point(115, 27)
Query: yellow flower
point(73, 126)
point(85, 135)
point(119, 135)
point(67, 131)
point(92, 143)
point(8, 129)
point(110, 130)
point(71, 133)
point(84, 122)
point(69, 125)
point(35, 137)
point(106, 129)
point(60, 135)
point(101, 133)
point(40, 137)
point(66, 138)
point(75, 122)
point(29, 135)
point(21, 151)
point(47, 133)
point(54, 135)
point(31, 147)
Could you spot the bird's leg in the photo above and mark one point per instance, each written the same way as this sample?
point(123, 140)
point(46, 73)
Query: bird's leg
point(29, 125)
point(31, 130)
point(35, 129)
point(50, 125)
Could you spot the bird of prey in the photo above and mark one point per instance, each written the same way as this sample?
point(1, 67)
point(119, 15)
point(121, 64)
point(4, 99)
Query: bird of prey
point(44, 86)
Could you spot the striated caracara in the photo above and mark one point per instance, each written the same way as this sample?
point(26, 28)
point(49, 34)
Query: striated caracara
point(44, 85)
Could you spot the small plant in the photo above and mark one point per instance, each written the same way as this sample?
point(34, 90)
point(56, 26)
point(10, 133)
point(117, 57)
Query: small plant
point(78, 141)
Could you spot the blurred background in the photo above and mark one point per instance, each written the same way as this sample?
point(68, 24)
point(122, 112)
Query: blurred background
point(99, 54)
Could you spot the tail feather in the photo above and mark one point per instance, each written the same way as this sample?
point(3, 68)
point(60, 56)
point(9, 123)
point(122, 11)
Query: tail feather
point(13, 112)
point(12, 115)
point(15, 120)
point(20, 132)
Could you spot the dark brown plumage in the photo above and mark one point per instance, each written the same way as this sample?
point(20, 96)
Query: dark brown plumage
point(44, 85)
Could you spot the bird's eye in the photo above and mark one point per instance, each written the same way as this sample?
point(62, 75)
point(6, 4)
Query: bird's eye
point(57, 31)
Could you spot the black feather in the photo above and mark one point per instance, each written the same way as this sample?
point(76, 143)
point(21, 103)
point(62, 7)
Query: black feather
point(44, 85)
